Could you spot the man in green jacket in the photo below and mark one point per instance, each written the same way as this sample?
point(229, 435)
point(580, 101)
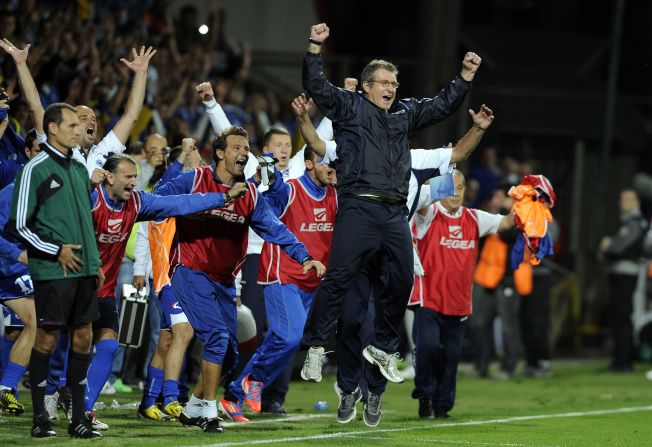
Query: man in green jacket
point(51, 215)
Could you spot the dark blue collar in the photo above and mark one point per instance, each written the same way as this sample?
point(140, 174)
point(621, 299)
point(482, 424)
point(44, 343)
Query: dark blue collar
point(113, 204)
point(312, 187)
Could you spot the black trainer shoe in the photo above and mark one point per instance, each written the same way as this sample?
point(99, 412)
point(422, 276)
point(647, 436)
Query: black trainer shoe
point(273, 408)
point(441, 415)
point(211, 425)
point(42, 427)
point(372, 413)
point(188, 420)
point(346, 411)
point(425, 408)
point(83, 428)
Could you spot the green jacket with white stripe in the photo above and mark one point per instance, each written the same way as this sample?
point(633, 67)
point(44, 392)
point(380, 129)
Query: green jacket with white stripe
point(51, 207)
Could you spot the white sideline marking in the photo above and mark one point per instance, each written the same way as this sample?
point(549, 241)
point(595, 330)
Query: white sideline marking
point(450, 441)
point(303, 417)
point(431, 426)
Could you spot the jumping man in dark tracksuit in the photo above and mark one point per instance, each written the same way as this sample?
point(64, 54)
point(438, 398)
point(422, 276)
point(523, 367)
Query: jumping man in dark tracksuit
point(373, 166)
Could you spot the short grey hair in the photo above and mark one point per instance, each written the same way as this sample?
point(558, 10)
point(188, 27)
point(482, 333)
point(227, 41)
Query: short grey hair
point(377, 64)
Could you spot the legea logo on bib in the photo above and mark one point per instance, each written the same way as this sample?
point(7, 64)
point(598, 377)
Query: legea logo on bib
point(320, 214)
point(455, 231)
point(114, 225)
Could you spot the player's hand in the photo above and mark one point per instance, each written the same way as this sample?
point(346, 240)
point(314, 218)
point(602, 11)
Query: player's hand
point(69, 260)
point(138, 282)
point(350, 84)
point(98, 176)
point(237, 190)
point(302, 106)
point(205, 91)
point(483, 118)
point(141, 59)
point(100, 278)
point(312, 264)
point(470, 65)
point(19, 56)
point(319, 32)
point(22, 258)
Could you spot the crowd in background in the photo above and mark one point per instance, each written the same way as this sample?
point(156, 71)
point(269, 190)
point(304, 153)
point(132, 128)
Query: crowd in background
point(75, 54)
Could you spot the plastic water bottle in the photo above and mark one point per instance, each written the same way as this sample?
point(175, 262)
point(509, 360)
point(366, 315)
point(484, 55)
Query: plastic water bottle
point(99, 406)
point(131, 405)
point(322, 405)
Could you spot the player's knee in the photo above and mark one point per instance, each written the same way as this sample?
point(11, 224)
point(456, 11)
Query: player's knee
point(82, 340)
point(183, 333)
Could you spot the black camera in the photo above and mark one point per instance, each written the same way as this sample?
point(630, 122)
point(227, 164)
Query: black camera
point(3, 95)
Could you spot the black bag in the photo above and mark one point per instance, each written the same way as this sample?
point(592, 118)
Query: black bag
point(133, 315)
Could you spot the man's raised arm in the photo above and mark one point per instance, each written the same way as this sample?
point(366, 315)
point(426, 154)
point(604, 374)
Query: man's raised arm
point(428, 111)
point(335, 103)
point(139, 66)
point(26, 81)
point(467, 144)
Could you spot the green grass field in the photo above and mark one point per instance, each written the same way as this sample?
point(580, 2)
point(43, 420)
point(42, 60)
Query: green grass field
point(579, 406)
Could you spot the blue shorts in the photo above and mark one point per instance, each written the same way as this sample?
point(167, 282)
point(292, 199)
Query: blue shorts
point(13, 287)
point(210, 308)
point(169, 308)
point(10, 318)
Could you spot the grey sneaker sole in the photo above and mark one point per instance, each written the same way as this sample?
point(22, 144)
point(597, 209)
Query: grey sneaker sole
point(309, 379)
point(371, 424)
point(373, 361)
point(353, 414)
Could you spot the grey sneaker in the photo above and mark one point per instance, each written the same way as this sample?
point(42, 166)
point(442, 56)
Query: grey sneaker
point(51, 401)
point(346, 410)
point(372, 413)
point(386, 362)
point(311, 370)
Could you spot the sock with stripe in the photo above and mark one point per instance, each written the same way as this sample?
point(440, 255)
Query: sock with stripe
point(99, 370)
point(77, 372)
point(152, 387)
point(170, 391)
point(12, 375)
point(39, 367)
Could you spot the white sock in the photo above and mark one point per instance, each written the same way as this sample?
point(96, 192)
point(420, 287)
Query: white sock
point(195, 407)
point(210, 409)
point(195, 401)
point(2, 388)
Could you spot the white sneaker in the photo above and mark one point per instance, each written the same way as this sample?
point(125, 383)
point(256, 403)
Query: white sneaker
point(108, 388)
point(97, 424)
point(386, 363)
point(51, 401)
point(311, 370)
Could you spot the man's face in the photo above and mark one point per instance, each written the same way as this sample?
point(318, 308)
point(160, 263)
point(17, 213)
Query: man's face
point(281, 147)
point(68, 134)
point(235, 155)
point(88, 122)
point(32, 151)
point(628, 202)
point(154, 146)
point(381, 89)
point(453, 203)
point(123, 181)
point(325, 176)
